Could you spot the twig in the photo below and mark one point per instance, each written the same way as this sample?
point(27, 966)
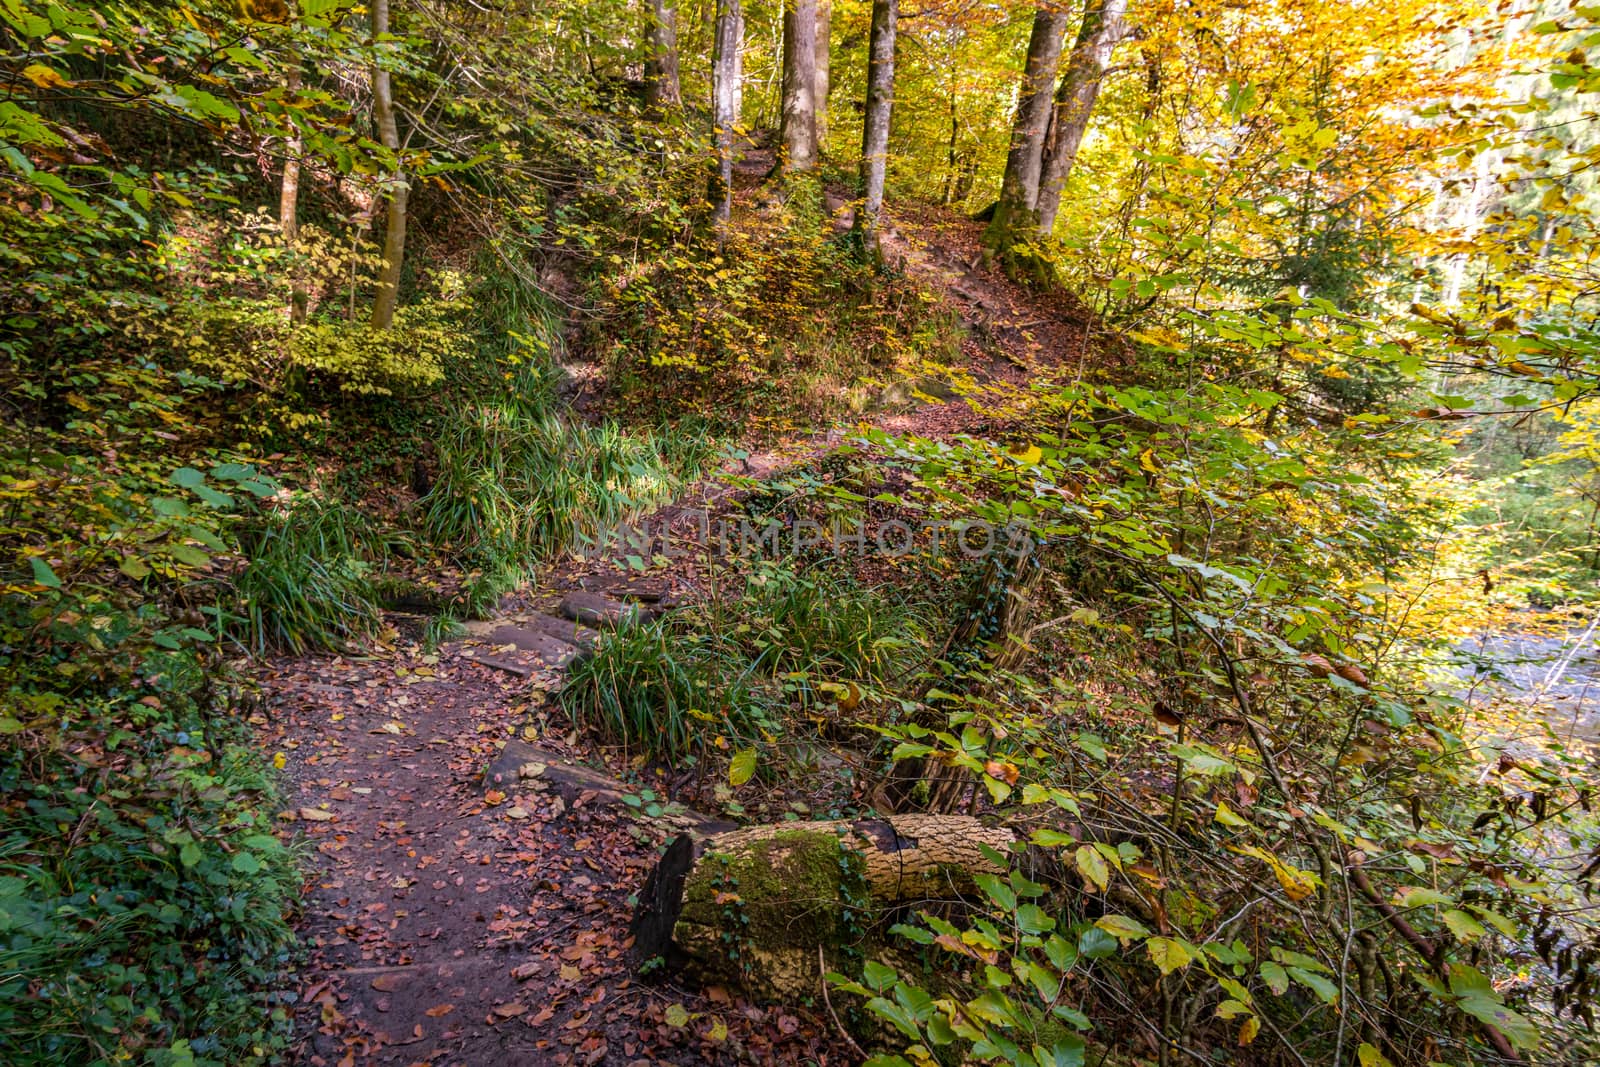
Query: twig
point(822, 973)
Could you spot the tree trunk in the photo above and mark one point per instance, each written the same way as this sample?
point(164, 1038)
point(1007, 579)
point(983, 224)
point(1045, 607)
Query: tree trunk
point(823, 65)
point(289, 202)
point(797, 130)
point(394, 236)
point(752, 907)
point(661, 91)
point(875, 127)
point(725, 102)
point(1080, 86)
point(1019, 189)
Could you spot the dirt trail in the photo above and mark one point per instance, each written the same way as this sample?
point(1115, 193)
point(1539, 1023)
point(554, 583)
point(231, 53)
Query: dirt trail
point(450, 922)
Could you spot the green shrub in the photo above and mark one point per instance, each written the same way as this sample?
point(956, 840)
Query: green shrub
point(660, 691)
point(514, 488)
point(143, 897)
point(728, 669)
point(310, 580)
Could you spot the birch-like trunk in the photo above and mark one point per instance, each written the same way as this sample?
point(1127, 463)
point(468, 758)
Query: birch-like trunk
point(725, 102)
point(875, 128)
point(1019, 189)
point(823, 65)
point(661, 68)
point(394, 235)
point(797, 130)
point(1099, 33)
point(289, 201)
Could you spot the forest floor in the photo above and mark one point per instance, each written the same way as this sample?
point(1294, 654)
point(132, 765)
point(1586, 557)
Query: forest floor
point(451, 922)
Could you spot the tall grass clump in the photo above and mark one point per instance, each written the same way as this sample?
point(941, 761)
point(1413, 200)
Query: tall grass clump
point(657, 689)
point(729, 668)
point(310, 579)
point(516, 486)
point(822, 622)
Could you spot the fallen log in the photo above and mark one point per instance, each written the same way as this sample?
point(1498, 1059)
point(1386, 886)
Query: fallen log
point(751, 907)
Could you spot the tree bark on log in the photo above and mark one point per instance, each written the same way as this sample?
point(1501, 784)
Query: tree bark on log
point(751, 907)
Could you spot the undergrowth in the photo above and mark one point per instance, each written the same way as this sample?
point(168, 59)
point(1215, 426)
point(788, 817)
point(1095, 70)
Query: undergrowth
point(727, 672)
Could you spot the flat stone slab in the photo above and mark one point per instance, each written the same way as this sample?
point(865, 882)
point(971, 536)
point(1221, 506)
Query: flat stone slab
point(523, 650)
point(597, 610)
point(564, 630)
point(541, 769)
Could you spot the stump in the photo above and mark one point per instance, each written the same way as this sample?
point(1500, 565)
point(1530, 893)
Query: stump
point(751, 907)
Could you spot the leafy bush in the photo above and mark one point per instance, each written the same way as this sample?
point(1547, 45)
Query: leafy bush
point(143, 896)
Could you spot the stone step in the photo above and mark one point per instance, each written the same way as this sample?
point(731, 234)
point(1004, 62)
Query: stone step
point(564, 630)
point(597, 610)
point(552, 650)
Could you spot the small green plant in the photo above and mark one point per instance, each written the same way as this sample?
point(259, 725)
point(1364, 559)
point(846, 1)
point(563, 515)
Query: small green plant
point(663, 692)
point(309, 582)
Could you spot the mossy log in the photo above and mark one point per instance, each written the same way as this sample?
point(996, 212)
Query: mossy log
point(752, 907)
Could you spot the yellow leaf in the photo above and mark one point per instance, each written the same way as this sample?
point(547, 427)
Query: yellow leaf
point(44, 77)
point(1168, 954)
point(1249, 1029)
point(1092, 866)
point(1226, 816)
point(1371, 1057)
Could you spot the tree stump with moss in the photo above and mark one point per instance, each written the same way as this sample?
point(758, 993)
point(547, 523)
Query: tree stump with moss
point(752, 907)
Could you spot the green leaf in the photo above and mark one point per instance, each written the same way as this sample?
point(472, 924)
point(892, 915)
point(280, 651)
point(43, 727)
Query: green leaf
point(997, 891)
point(1417, 896)
point(1465, 927)
point(42, 574)
point(1317, 983)
point(1276, 977)
point(1092, 866)
point(877, 976)
point(187, 477)
point(742, 767)
point(246, 863)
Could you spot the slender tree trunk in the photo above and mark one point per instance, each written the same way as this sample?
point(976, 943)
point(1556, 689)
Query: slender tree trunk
point(824, 62)
point(949, 196)
point(394, 236)
point(289, 201)
point(725, 102)
point(797, 131)
point(1019, 190)
point(875, 127)
point(1099, 33)
point(661, 69)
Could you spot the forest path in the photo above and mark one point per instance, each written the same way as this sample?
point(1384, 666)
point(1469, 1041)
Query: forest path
point(451, 919)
